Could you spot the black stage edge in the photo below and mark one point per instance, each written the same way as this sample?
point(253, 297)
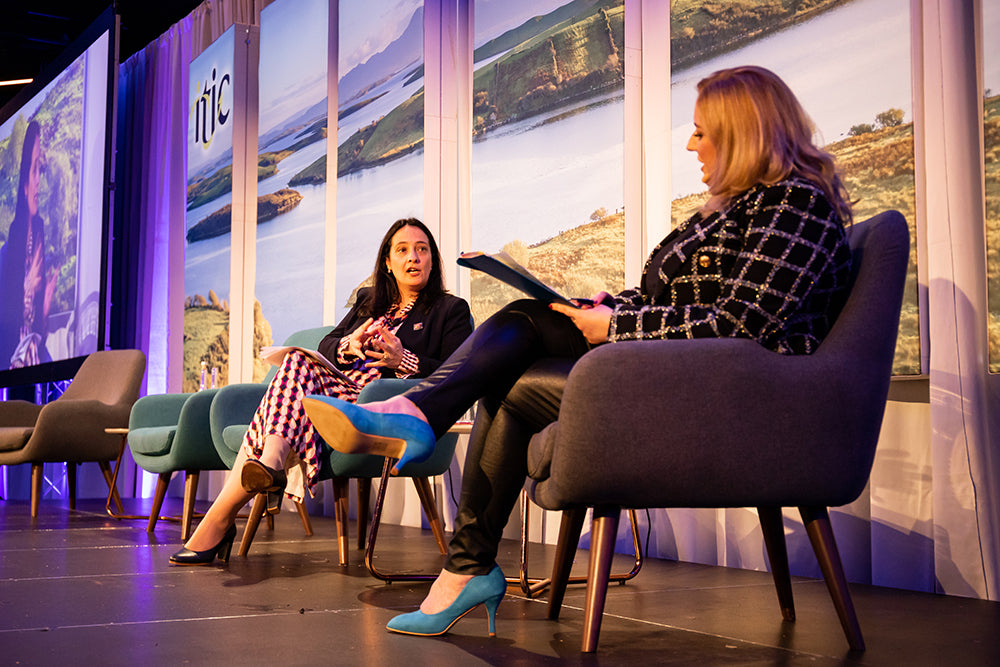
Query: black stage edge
point(77, 587)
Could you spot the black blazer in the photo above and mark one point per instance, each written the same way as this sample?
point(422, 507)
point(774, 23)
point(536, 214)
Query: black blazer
point(774, 266)
point(432, 333)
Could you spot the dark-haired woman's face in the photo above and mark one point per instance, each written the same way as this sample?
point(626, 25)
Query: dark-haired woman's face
point(409, 260)
point(34, 177)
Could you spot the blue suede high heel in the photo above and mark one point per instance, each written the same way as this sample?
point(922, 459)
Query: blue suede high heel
point(485, 589)
point(352, 429)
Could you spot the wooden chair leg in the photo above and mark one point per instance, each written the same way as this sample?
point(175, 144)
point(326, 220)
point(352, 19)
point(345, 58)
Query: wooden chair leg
point(256, 512)
point(569, 538)
point(364, 503)
point(817, 522)
point(162, 482)
point(341, 498)
point(71, 469)
point(603, 534)
point(304, 515)
point(112, 487)
point(772, 526)
point(190, 491)
point(36, 488)
point(532, 588)
point(426, 496)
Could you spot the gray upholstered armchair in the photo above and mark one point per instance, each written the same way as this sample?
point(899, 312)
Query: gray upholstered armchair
point(726, 423)
point(71, 428)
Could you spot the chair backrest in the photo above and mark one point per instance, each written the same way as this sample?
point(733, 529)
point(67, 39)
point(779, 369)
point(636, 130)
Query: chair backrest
point(307, 338)
point(113, 377)
point(735, 424)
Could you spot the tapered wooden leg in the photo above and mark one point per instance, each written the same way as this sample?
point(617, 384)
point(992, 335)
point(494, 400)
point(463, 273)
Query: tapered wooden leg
point(569, 538)
point(256, 512)
point(71, 483)
point(112, 487)
point(304, 515)
point(817, 522)
point(426, 496)
point(36, 488)
point(603, 534)
point(190, 491)
point(773, 528)
point(364, 501)
point(162, 482)
point(341, 499)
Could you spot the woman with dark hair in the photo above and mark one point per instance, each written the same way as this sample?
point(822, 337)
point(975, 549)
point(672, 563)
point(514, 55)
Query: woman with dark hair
point(25, 290)
point(403, 326)
point(764, 259)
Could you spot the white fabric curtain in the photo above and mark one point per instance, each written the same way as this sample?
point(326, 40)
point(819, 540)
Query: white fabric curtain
point(153, 87)
point(966, 464)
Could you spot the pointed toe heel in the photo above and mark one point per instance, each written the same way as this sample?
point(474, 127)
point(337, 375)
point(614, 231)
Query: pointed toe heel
point(352, 429)
point(222, 550)
point(487, 589)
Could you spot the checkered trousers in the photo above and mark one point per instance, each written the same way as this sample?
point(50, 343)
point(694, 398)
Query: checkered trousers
point(281, 413)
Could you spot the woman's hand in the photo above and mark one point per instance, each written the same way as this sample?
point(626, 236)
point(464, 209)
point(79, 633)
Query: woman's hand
point(33, 274)
point(357, 340)
point(594, 322)
point(386, 350)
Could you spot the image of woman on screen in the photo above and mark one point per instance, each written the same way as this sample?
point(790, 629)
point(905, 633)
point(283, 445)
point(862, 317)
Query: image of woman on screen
point(26, 288)
point(403, 326)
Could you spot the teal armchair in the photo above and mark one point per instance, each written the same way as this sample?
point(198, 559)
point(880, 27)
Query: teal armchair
point(170, 433)
point(231, 412)
point(229, 418)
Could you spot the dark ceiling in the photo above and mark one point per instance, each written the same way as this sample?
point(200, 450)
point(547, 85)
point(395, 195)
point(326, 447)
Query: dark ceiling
point(34, 32)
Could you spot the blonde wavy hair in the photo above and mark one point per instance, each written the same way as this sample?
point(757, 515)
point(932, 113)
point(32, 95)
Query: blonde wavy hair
point(762, 135)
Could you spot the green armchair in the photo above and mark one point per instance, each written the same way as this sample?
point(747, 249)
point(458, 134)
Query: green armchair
point(170, 433)
point(231, 412)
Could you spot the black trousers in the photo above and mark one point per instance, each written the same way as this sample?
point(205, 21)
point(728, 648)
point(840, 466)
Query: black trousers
point(488, 367)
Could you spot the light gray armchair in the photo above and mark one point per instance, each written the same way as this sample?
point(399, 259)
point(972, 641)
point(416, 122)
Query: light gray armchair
point(71, 428)
point(727, 423)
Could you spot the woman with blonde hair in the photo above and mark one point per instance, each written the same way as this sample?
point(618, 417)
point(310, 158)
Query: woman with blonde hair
point(765, 259)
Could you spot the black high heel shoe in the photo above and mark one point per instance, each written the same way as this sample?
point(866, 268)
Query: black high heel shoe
point(259, 478)
point(225, 547)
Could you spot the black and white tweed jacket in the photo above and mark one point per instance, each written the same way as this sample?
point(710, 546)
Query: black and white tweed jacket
point(767, 268)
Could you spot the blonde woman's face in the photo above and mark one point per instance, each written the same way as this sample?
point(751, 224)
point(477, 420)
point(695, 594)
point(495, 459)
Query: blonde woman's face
point(703, 146)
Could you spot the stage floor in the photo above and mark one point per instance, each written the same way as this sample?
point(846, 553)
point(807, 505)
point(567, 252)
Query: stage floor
point(77, 587)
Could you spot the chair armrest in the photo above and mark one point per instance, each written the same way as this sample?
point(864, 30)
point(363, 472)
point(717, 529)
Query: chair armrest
point(193, 443)
point(233, 404)
point(156, 410)
point(647, 423)
point(384, 388)
point(18, 413)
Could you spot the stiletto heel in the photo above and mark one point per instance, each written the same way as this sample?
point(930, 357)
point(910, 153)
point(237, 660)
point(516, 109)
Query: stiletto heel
point(491, 612)
point(487, 589)
point(256, 477)
point(352, 429)
point(223, 549)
